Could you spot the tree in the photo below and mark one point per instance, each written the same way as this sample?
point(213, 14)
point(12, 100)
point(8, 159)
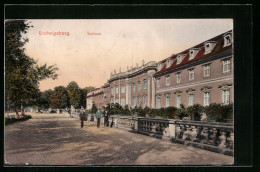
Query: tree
point(84, 92)
point(59, 98)
point(43, 100)
point(75, 94)
point(22, 73)
point(93, 108)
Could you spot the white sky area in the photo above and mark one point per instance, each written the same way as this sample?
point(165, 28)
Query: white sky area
point(89, 59)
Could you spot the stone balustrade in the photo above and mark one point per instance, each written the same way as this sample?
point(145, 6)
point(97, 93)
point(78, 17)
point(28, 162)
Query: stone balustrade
point(217, 137)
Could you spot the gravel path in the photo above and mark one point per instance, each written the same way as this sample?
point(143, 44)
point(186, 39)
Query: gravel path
point(56, 139)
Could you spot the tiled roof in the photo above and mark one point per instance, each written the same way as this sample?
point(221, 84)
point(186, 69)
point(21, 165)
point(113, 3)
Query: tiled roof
point(95, 94)
point(217, 49)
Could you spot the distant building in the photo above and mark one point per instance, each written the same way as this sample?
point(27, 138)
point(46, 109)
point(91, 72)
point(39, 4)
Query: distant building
point(202, 74)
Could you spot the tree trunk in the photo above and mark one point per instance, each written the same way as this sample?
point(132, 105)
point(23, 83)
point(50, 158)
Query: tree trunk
point(22, 110)
point(16, 111)
point(8, 109)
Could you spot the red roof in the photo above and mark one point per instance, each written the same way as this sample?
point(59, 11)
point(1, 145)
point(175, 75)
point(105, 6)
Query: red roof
point(95, 94)
point(200, 55)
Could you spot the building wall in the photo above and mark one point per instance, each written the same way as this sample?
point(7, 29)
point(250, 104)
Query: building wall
point(215, 83)
point(216, 78)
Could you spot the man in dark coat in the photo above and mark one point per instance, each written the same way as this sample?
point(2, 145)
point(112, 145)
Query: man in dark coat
point(81, 116)
point(98, 116)
point(106, 122)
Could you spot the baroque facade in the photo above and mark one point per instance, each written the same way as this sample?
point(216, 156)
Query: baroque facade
point(202, 74)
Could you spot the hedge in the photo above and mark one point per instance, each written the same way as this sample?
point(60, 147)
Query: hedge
point(13, 120)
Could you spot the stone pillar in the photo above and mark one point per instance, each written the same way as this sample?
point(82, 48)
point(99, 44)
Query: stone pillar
point(127, 91)
point(136, 124)
point(153, 92)
point(119, 92)
point(149, 91)
point(114, 88)
point(116, 122)
point(172, 129)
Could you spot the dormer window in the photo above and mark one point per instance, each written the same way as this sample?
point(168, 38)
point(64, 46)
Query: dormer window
point(159, 66)
point(193, 52)
point(209, 45)
point(227, 39)
point(180, 58)
point(168, 63)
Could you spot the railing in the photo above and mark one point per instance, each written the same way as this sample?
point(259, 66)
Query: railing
point(211, 135)
point(152, 126)
point(124, 122)
point(217, 137)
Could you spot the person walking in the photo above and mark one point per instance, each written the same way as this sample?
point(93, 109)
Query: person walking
point(98, 116)
point(106, 123)
point(81, 115)
point(69, 111)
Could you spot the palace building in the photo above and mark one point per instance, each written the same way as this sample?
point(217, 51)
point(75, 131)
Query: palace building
point(202, 74)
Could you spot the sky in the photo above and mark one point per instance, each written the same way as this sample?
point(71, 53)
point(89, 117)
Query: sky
point(94, 48)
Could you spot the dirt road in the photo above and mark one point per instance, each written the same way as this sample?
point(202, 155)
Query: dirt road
point(56, 139)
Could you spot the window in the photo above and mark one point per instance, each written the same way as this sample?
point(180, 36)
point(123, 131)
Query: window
point(207, 47)
point(122, 89)
point(158, 102)
point(116, 89)
point(178, 101)
point(111, 100)
point(206, 99)
point(116, 101)
point(144, 101)
point(122, 102)
point(139, 86)
point(112, 90)
point(227, 40)
point(225, 96)
point(167, 101)
point(139, 101)
point(191, 74)
point(133, 87)
point(191, 54)
point(168, 63)
point(159, 82)
point(206, 70)
point(179, 58)
point(191, 99)
point(167, 80)
point(134, 102)
point(226, 65)
point(145, 84)
point(178, 77)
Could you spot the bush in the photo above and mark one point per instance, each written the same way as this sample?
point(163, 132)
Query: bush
point(182, 112)
point(13, 120)
point(219, 113)
point(170, 112)
point(195, 112)
point(53, 111)
point(93, 108)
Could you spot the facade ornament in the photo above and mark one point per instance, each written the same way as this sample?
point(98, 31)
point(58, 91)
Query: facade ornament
point(190, 91)
point(167, 94)
point(178, 92)
point(206, 89)
point(225, 86)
